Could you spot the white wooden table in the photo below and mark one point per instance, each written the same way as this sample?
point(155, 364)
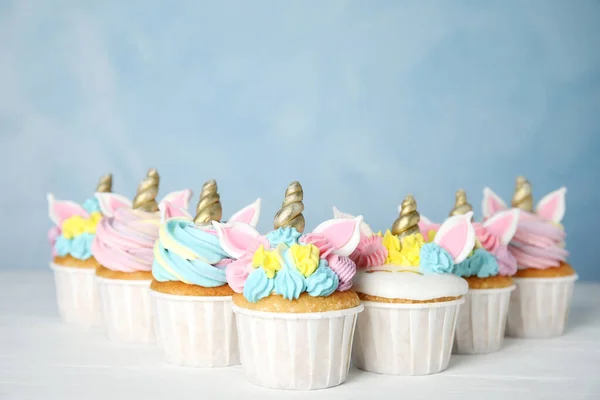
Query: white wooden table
point(42, 358)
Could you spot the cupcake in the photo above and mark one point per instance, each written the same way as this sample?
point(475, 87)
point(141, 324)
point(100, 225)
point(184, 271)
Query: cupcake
point(540, 304)
point(411, 299)
point(195, 325)
point(73, 263)
point(488, 269)
point(294, 308)
point(123, 247)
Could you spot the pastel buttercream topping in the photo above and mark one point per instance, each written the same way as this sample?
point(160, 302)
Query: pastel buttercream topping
point(435, 259)
point(186, 253)
point(289, 267)
point(539, 239)
point(125, 242)
point(452, 243)
point(370, 252)
point(287, 263)
point(403, 250)
point(417, 270)
point(490, 257)
point(75, 224)
point(344, 268)
point(481, 264)
point(538, 244)
point(76, 233)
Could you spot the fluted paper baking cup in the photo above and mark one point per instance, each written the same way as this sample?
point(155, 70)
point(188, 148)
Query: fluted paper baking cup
point(196, 331)
point(77, 295)
point(405, 339)
point(539, 307)
point(482, 321)
point(301, 351)
point(126, 310)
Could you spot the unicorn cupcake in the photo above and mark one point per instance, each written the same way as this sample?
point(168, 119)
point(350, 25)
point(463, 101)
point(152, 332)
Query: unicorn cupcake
point(73, 263)
point(123, 247)
point(488, 269)
point(293, 301)
point(540, 305)
point(410, 296)
point(195, 324)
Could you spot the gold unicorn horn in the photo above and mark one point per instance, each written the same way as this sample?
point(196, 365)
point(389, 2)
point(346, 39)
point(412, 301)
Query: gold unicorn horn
point(523, 198)
point(290, 213)
point(105, 184)
point(461, 205)
point(209, 206)
point(408, 221)
point(145, 198)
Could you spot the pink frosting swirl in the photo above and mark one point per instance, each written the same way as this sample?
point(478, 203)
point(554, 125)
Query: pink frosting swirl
point(344, 268)
point(238, 270)
point(320, 241)
point(507, 264)
point(488, 241)
point(538, 244)
point(53, 234)
point(125, 242)
point(370, 252)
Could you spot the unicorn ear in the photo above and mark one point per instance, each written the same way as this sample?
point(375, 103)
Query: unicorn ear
point(339, 214)
point(168, 211)
point(110, 202)
point(503, 225)
point(180, 198)
point(248, 215)
point(59, 210)
point(425, 226)
point(492, 204)
point(457, 236)
point(237, 237)
point(552, 206)
point(343, 234)
point(365, 229)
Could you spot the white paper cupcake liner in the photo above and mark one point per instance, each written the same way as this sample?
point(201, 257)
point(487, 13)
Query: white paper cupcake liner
point(405, 339)
point(196, 331)
point(296, 351)
point(77, 295)
point(126, 310)
point(539, 307)
point(482, 321)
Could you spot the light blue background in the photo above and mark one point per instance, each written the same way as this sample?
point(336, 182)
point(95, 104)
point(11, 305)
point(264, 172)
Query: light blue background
point(361, 101)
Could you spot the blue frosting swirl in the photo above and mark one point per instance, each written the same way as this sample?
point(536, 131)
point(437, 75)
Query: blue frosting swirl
point(62, 246)
point(80, 247)
point(323, 281)
point(91, 205)
point(435, 259)
point(287, 235)
point(482, 264)
point(186, 253)
point(289, 282)
point(258, 286)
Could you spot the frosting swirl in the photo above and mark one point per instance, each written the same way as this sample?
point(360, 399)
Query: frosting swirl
point(344, 268)
point(186, 253)
point(125, 242)
point(435, 259)
point(481, 264)
point(538, 244)
point(370, 252)
point(320, 241)
point(289, 265)
point(323, 281)
point(507, 264)
point(486, 239)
